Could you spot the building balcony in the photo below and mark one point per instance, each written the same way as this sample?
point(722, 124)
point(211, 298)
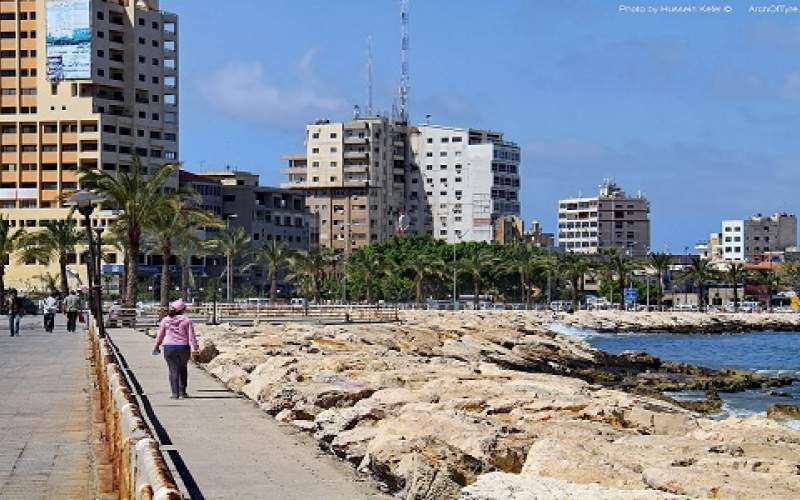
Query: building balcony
point(356, 155)
point(356, 140)
point(294, 170)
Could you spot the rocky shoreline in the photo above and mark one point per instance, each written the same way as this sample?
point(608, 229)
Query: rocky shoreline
point(681, 322)
point(492, 405)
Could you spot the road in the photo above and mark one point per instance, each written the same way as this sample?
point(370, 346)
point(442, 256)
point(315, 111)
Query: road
point(44, 413)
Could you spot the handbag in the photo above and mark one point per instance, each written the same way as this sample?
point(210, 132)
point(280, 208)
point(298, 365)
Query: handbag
point(81, 317)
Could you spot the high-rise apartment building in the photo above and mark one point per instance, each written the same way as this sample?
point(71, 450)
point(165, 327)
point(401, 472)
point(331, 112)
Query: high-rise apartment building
point(83, 84)
point(461, 182)
point(748, 239)
point(610, 220)
point(353, 175)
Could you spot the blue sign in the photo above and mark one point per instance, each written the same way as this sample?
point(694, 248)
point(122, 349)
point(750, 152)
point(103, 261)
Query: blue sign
point(631, 295)
point(113, 269)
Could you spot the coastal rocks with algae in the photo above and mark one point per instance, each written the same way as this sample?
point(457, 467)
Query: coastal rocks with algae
point(681, 322)
point(483, 405)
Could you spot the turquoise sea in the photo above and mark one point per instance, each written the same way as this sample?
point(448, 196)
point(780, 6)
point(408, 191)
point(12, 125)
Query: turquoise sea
point(766, 352)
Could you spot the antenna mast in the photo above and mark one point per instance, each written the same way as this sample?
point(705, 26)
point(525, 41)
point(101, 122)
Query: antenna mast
point(369, 75)
point(404, 76)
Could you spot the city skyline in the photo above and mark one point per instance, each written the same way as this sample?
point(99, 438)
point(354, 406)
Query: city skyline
point(692, 110)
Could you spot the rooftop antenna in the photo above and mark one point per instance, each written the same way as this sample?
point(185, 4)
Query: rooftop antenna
point(369, 75)
point(404, 76)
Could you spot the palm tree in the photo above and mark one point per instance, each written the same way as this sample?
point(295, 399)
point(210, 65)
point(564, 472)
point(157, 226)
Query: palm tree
point(618, 263)
point(116, 237)
point(175, 218)
point(138, 198)
point(773, 280)
point(308, 269)
point(274, 255)
point(660, 263)
point(574, 267)
point(423, 266)
point(366, 266)
point(699, 273)
point(184, 247)
point(734, 274)
point(475, 264)
point(231, 243)
point(10, 242)
point(57, 240)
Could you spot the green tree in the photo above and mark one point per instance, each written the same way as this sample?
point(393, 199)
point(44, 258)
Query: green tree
point(274, 255)
point(734, 274)
point(57, 240)
point(365, 270)
point(660, 263)
point(574, 268)
point(423, 266)
point(700, 272)
point(476, 264)
point(11, 240)
point(232, 243)
point(308, 271)
point(621, 265)
point(175, 218)
point(138, 197)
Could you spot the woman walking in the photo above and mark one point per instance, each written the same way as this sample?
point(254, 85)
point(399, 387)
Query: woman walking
point(176, 335)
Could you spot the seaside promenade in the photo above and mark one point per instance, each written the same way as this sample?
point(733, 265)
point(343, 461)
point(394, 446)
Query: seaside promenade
point(44, 414)
point(219, 445)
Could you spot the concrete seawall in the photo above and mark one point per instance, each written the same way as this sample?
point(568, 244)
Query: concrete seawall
point(128, 459)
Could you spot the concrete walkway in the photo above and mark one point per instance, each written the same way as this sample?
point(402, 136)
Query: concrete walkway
point(44, 413)
point(222, 446)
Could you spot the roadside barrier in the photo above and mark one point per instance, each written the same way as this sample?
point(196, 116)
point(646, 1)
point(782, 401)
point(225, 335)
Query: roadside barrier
point(128, 459)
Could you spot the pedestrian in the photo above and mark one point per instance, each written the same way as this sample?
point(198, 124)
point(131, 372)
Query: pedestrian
point(72, 304)
point(176, 335)
point(50, 308)
point(16, 309)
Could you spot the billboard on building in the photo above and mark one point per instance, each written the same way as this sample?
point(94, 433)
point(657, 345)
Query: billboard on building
point(69, 39)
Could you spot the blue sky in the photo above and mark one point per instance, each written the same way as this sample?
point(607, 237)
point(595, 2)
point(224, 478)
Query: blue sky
point(699, 112)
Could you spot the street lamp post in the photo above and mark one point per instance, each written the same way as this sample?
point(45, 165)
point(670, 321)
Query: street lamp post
point(229, 264)
point(84, 202)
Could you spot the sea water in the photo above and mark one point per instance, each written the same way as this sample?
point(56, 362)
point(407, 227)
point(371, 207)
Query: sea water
point(769, 353)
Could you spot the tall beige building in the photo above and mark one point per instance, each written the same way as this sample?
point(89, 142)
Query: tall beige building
point(353, 175)
point(83, 84)
point(612, 219)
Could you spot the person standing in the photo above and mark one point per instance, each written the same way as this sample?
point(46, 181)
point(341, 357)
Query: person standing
point(16, 309)
point(72, 304)
point(176, 335)
point(50, 308)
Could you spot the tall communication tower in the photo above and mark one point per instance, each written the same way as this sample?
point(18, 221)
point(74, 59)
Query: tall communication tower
point(404, 76)
point(371, 81)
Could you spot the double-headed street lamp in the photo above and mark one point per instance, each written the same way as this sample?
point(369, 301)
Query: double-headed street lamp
point(84, 202)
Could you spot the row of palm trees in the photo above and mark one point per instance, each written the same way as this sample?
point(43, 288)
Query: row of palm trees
point(154, 217)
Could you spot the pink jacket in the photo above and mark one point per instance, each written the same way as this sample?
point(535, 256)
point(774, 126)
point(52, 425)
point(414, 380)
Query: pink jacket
point(176, 330)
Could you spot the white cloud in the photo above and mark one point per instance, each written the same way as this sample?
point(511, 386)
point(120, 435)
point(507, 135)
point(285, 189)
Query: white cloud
point(245, 91)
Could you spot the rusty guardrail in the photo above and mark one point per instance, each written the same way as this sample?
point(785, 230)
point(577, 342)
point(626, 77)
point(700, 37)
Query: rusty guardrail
point(128, 459)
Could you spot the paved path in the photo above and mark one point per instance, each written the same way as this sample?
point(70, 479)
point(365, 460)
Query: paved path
point(44, 413)
point(222, 446)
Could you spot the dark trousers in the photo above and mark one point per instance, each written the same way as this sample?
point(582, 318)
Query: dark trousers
point(177, 357)
point(72, 319)
point(13, 324)
point(49, 322)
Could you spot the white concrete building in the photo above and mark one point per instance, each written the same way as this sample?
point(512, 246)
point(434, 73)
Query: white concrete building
point(748, 239)
point(461, 181)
